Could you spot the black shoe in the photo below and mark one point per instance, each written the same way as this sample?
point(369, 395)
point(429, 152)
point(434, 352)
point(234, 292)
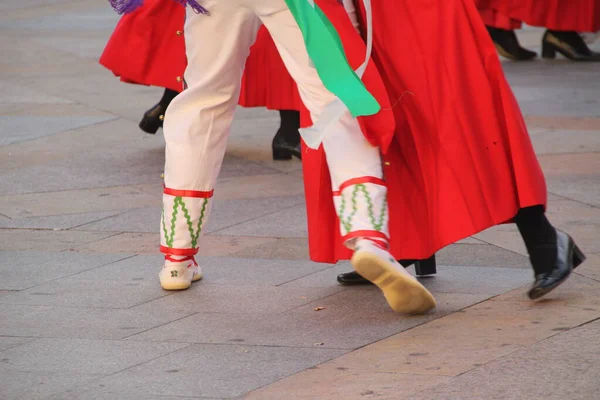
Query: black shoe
point(283, 149)
point(422, 268)
point(508, 45)
point(153, 119)
point(569, 44)
point(568, 257)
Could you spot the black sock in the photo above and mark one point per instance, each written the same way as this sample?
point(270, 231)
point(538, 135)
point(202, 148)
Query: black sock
point(539, 237)
point(290, 123)
point(167, 97)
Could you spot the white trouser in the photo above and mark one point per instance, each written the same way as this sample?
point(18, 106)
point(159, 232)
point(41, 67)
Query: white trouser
point(197, 123)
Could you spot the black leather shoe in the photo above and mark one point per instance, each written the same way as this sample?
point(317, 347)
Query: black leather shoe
point(422, 268)
point(569, 44)
point(508, 45)
point(568, 257)
point(153, 119)
point(283, 149)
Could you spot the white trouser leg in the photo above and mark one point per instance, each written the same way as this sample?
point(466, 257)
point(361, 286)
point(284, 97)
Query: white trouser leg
point(354, 164)
point(197, 121)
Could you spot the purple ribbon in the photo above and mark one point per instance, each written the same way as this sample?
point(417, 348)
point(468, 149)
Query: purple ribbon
point(125, 6)
point(128, 6)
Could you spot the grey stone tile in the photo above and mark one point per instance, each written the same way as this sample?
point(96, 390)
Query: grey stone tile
point(82, 356)
point(98, 19)
point(82, 394)
point(481, 255)
point(89, 48)
point(255, 272)
point(324, 278)
point(8, 342)
point(19, 129)
point(216, 270)
point(234, 167)
point(583, 188)
point(73, 292)
point(573, 176)
point(350, 319)
point(18, 94)
point(68, 322)
point(24, 385)
point(553, 142)
point(213, 371)
point(287, 223)
point(257, 300)
point(114, 154)
point(477, 280)
point(121, 285)
point(449, 279)
point(145, 219)
point(56, 221)
point(43, 267)
point(556, 368)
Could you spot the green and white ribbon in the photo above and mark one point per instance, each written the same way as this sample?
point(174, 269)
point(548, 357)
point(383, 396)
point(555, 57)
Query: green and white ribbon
point(326, 51)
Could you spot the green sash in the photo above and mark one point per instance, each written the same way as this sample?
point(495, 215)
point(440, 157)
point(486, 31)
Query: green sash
point(327, 54)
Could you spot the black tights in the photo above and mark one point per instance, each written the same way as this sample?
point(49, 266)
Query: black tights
point(539, 237)
point(290, 123)
point(168, 97)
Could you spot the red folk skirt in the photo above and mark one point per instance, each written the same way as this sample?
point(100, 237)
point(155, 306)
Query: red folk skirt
point(461, 159)
point(562, 15)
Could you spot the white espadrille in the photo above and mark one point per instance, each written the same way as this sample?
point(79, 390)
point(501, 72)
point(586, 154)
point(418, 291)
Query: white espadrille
point(179, 275)
point(402, 291)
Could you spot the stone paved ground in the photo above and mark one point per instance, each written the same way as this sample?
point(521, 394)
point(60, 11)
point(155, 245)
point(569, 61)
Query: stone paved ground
point(82, 315)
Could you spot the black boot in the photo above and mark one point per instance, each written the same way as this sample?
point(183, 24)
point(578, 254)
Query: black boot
point(422, 268)
point(508, 45)
point(153, 118)
point(569, 44)
point(286, 142)
point(553, 254)
point(568, 257)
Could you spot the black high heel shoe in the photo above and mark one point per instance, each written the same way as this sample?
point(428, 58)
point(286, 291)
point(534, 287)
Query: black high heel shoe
point(153, 119)
point(284, 150)
point(569, 44)
point(286, 142)
point(568, 257)
point(508, 45)
point(422, 268)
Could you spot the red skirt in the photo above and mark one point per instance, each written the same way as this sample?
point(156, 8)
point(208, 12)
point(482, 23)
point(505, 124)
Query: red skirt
point(461, 159)
point(496, 20)
point(147, 47)
point(562, 15)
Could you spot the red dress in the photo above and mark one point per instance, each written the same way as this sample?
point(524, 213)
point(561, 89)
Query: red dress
point(461, 159)
point(147, 47)
point(561, 15)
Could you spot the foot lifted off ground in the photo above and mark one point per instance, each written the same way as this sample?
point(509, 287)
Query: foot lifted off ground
point(402, 291)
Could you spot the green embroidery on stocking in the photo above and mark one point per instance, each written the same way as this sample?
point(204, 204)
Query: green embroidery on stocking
point(188, 220)
point(171, 239)
point(164, 226)
point(379, 225)
point(200, 221)
point(194, 235)
point(383, 213)
point(347, 222)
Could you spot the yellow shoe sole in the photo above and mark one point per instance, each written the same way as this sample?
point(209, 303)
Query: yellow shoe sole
point(175, 285)
point(403, 293)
